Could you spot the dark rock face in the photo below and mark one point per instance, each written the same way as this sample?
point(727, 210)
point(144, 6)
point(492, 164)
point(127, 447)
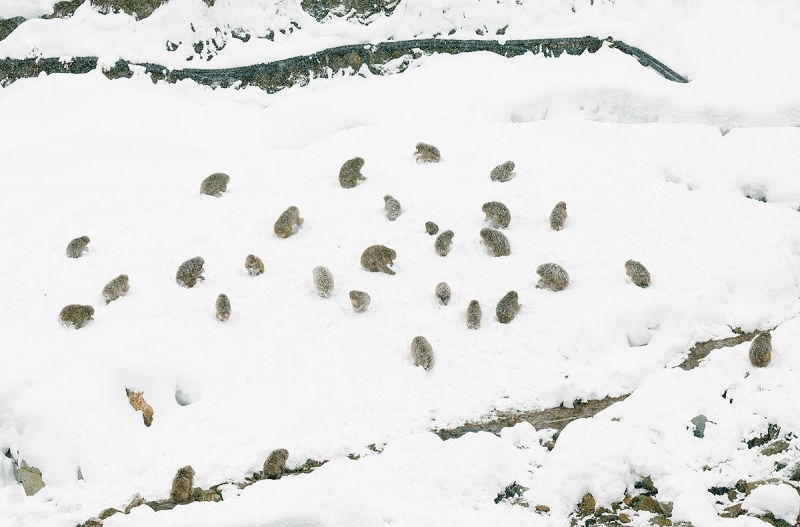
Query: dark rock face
point(7, 26)
point(361, 10)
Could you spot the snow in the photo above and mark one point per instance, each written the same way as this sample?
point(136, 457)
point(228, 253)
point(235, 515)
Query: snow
point(650, 170)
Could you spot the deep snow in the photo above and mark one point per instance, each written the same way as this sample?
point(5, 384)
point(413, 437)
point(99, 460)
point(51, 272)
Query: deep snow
point(650, 170)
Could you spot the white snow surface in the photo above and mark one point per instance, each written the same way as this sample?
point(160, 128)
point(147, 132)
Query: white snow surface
point(650, 170)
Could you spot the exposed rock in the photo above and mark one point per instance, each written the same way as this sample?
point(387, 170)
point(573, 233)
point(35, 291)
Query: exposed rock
point(660, 521)
point(9, 25)
point(794, 474)
point(31, 478)
point(647, 486)
point(358, 9)
point(701, 350)
point(775, 448)
point(199, 494)
point(136, 500)
point(733, 511)
point(513, 493)
point(542, 508)
point(93, 522)
point(773, 431)
point(587, 505)
point(699, 423)
point(646, 503)
point(107, 513)
point(161, 505)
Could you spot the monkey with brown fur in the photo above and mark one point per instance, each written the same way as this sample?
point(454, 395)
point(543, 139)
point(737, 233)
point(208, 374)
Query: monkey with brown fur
point(442, 243)
point(431, 228)
point(378, 258)
point(553, 277)
point(190, 272)
point(558, 216)
point(140, 405)
point(443, 293)
point(761, 350)
point(287, 220)
point(508, 307)
point(360, 301)
point(76, 314)
point(323, 280)
point(496, 241)
point(215, 184)
point(503, 172)
point(638, 273)
point(427, 153)
point(474, 315)
point(116, 288)
point(275, 463)
point(350, 173)
point(77, 247)
point(422, 352)
point(254, 265)
point(223, 308)
point(497, 214)
point(182, 484)
point(392, 207)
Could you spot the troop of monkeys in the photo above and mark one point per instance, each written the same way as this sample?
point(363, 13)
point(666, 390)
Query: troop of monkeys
point(379, 258)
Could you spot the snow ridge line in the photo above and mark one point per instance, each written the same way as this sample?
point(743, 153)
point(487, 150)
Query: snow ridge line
point(274, 76)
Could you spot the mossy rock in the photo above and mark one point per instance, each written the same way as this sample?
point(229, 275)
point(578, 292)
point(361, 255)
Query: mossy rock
point(775, 448)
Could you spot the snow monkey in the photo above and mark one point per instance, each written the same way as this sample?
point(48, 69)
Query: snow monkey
point(422, 352)
point(553, 277)
point(496, 241)
point(254, 265)
point(360, 301)
point(761, 350)
point(223, 308)
point(289, 218)
point(427, 153)
point(140, 405)
point(215, 184)
point(116, 288)
point(474, 315)
point(638, 273)
point(431, 228)
point(443, 293)
point(182, 484)
point(442, 243)
point(508, 307)
point(190, 272)
point(350, 173)
point(323, 280)
point(75, 314)
point(275, 463)
point(558, 216)
point(392, 207)
point(503, 172)
point(378, 258)
point(77, 247)
point(497, 214)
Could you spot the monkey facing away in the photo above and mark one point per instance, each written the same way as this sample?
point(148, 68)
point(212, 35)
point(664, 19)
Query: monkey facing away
point(350, 173)
point(77, 247)
point(323, 280)
point(508, 307)
point(503, 172)
point(378, 258)
point(275, 463)
point(552, 276)
point(360, 301)
point(496, 241)
point(442, 243)
point(558, 216)
point(443, 293)
point(427, 153)
point(761, 350)
point(497, 214)
point(392, 207)
point(474, 315)
point(182, 484)
point(190, 272)
point(431, 228)
point(286, 221)
point(254, 265)
point(422, 352)
point(637, 272)
point(223, 308)
point(75, 314)
point(215, 184)
point(116, 288)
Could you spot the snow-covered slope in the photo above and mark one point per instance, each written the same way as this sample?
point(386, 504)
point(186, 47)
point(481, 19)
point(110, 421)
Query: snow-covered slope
point(650, 170)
